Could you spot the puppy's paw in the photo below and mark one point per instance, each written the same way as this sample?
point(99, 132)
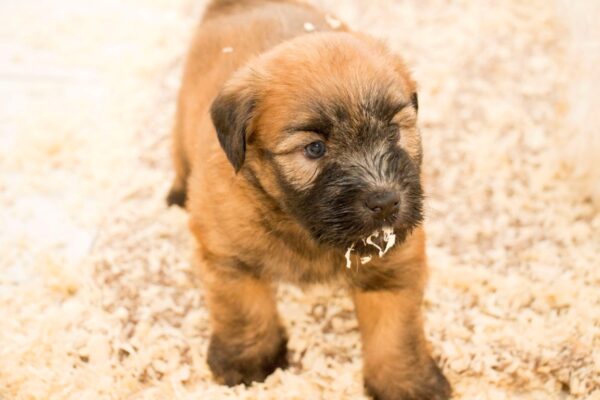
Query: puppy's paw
point(431, 384)
point(231, 367)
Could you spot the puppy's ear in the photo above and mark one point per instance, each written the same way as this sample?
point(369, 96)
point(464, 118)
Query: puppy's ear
point(232, 113)
point(414, 99)
point(411, 86)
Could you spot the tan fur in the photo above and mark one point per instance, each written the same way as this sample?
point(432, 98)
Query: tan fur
point(238, 254)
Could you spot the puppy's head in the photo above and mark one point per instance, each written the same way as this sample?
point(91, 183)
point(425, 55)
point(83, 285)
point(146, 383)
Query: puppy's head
point(325, 125)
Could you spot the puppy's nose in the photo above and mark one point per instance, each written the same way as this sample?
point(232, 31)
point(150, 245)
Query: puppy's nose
point(383, 204)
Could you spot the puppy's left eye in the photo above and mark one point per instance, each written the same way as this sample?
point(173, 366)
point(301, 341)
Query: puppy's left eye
point(315, 150)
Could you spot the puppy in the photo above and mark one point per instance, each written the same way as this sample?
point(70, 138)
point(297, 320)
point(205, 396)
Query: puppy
point(295, 140)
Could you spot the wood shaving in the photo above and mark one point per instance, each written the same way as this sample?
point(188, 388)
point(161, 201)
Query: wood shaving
point(369, 241)
point(333, 22)
point(348, 255)
point(309, 27)
point(389, 238)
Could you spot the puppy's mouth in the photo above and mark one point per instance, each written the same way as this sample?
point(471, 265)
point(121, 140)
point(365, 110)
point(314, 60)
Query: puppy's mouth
point(377, 244)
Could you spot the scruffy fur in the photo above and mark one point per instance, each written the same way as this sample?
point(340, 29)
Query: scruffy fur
point(263, 212)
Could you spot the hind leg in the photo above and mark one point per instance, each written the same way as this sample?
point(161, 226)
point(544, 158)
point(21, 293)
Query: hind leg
point(178, 192)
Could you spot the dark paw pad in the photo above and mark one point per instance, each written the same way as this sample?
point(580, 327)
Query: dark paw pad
point(231, 369)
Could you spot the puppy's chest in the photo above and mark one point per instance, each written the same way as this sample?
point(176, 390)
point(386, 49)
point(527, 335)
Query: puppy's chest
point(289, 259)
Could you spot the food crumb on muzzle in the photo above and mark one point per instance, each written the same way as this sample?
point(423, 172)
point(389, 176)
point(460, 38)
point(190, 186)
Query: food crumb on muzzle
point(389, 238)
point(347, 255)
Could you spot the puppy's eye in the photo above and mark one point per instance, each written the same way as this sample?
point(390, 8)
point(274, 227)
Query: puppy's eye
point(315, 150)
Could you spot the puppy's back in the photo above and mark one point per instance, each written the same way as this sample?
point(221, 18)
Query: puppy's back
point(218, 8)
point(229, 35)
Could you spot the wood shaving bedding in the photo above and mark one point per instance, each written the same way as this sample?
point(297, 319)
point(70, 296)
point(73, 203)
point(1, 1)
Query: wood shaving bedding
point(98, 295)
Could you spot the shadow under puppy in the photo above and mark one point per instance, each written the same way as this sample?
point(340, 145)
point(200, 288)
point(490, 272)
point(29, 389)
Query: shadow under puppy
point(297, 153)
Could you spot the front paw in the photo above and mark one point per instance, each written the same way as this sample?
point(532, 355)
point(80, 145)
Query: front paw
point(430, 384)
point(232, 364)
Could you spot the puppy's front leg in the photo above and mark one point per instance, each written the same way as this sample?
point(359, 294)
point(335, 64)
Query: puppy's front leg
point(397, 364)
point(248, 342)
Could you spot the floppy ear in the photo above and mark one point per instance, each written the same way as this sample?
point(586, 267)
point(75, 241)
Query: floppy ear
point(232, 112)
point(402, 70)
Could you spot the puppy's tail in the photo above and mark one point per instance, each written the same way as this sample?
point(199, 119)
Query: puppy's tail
point(223, 7)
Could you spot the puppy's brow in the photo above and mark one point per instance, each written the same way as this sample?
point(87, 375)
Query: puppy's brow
point(386, 110)
point(396, 108)
point(320, 126)
point(382, 103)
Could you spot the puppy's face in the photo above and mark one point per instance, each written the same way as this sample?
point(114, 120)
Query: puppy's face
point(326, 125)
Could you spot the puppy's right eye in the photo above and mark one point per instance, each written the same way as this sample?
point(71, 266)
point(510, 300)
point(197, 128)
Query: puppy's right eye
point(315, 150)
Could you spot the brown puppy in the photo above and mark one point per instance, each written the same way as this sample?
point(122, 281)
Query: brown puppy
point(292, 146)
